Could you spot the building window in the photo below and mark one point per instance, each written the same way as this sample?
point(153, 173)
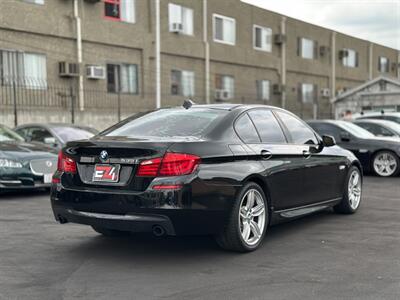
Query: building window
point(307, 92)
point(350, 58)
point(224, 29)
point(180, 19)
point(122, 78)
point(225, 84)
point(383, 66)
point(307, 48)
point(262, 38)
point(182, 83)
point(24, 69)
point(263, 90)
point(35, 1)
point(120, 10)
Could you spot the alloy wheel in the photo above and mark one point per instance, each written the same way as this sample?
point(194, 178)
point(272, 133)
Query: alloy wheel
point(354, 189)
point(252, 217)
point(385, 164)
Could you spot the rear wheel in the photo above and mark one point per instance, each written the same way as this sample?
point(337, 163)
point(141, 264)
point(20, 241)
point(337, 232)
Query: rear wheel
point(110, 232)
point(248, 221)
point(386, 164)
point(352, 193)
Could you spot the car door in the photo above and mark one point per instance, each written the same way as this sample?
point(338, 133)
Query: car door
point(323, 170)
point(282, 163)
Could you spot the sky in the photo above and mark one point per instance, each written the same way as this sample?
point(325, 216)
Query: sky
point(374, 20)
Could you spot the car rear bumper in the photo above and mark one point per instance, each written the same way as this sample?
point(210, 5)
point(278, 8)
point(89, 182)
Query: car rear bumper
point(191, 210)
point(26, 184)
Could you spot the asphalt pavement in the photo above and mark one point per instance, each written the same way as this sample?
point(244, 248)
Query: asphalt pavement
point(324, 256)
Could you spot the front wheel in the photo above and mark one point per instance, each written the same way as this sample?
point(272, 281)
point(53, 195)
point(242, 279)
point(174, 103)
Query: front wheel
point(352, 193)
point(248, 221)
point(386, 164)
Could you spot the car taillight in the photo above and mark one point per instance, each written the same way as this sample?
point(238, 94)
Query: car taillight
point(66, 164)
point(172, 164)
point(149, 168)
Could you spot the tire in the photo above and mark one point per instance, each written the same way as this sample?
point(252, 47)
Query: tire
point(352, 193)
point(389, 164)
point(244, 221)
point(110, 232)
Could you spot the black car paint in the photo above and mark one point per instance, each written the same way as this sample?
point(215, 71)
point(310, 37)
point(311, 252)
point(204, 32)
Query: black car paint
point(24, 153)
point(297, 179)
point(363, 149)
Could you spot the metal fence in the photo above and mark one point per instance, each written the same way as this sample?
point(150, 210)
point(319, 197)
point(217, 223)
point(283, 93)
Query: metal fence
point(18, 95)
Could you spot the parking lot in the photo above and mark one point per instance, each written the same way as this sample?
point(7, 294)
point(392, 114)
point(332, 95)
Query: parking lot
point(325, 256)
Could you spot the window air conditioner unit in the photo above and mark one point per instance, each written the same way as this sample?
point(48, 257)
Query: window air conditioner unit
point(279, 39)
point(67, 69)
point(277, 89)
point(343, 53)
point(325, 92)
point(222, 95)
point(176, 27)
point(324, 50)
point(95, 72)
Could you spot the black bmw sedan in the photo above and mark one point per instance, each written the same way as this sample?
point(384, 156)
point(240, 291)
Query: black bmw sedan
point(380, 155)
point(24, 165)
point(224, 170)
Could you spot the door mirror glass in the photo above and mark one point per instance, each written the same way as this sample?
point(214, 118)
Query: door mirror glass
point(328, 141)
point(345, 136)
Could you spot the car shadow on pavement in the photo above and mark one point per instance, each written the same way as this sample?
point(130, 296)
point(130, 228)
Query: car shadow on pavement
point(145, 247)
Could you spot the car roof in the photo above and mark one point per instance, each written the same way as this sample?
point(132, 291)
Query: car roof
point(373, 114)
point(374, 121)
point(233, 106)
point(51, 125)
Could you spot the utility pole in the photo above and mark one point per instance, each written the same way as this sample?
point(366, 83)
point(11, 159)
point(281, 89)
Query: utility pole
point(283, 62)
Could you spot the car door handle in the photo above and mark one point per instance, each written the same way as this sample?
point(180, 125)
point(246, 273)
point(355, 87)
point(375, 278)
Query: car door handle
point(265, 154)
point(306, 154)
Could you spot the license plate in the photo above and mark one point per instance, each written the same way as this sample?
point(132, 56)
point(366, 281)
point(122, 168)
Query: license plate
point(47, 178)
point(106, 173)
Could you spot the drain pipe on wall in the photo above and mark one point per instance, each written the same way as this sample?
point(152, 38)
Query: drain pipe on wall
point(370, 61)
point(283, 63)
point(158, 55)
point(333, 74)
point(207, 52)
point(79, 53)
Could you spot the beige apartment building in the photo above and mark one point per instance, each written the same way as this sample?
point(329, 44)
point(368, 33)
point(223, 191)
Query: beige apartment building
point(96, 61)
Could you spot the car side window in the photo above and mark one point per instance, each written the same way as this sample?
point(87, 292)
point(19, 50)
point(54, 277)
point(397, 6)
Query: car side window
point(22, 132)
point(246, 130)
point(327, 129)
point(267, 126)
point(39, 134)
point(300, 133)
point(377, 130)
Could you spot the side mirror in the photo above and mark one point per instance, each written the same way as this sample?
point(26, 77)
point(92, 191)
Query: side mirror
point(50, 141)
point(328, 141)
point(345, 136)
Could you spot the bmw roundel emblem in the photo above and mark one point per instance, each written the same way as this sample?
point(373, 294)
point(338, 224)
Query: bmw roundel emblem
point(103, 155)
point(49, 163)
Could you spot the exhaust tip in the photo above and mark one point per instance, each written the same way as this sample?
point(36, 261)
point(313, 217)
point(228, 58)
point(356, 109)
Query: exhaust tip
point(158, 230)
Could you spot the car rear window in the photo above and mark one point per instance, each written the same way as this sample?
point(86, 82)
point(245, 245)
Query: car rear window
point(168, 123)
point(67, 134)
